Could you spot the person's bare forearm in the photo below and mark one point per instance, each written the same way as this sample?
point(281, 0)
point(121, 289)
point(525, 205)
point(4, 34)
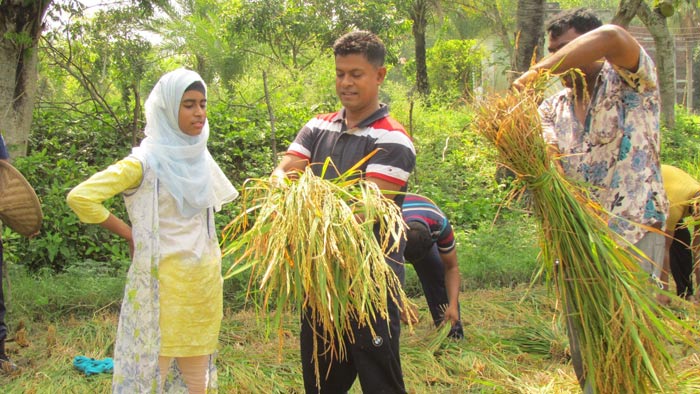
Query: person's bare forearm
point(389, 189)
point(288, 165)
point(610, 42)
point(120, 228)
point(117, 226)
point(452, 277)
point(452, 284)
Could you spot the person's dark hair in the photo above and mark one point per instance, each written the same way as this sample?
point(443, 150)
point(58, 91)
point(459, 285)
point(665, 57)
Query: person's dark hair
point(198, 86)
point(582, 20)
point(418, 241)
point(361, 42)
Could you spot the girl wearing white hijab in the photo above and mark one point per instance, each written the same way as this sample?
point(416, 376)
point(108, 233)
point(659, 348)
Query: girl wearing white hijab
point(172, 306)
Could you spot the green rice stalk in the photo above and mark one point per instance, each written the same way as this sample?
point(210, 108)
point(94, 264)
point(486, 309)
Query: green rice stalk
point(309, 243)
point(424, 351)
point(623, 330)
point(540, 337)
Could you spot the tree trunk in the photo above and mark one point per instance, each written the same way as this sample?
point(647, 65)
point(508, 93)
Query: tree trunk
point(626, 11)
point(135, 124)
point(665, 61)
point(20, 28)
point(271, 116)
point(500, 27)
point(665, 52)
point(529, 34)
point(419, 15)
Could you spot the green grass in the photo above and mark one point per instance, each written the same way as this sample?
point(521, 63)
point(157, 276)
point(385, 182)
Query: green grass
point(505, 350)
point(514, 342)
point(493, 255)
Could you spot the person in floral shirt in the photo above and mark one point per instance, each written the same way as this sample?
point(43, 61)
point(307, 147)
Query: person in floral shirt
point(605, 125)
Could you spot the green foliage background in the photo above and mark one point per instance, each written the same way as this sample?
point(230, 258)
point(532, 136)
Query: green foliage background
point(454, 167)
point(95, 73)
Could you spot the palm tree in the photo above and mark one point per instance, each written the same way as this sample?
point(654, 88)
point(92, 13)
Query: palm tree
point(420, 11)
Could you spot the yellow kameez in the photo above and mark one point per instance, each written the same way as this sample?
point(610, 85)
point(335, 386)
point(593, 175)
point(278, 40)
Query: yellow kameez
point(189, 270)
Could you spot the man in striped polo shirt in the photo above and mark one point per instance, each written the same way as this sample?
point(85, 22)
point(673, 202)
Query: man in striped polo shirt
point(347, 136)
point(431, 250)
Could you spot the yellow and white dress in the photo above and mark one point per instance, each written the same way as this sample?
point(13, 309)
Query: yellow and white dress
point(173, 298)
point(681, 189)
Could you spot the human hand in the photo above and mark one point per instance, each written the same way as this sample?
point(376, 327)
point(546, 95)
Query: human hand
point(277, 179)
point(695, 298)
point(525, 80)
point(663, 299)
point(451, 314)
point(359, 217)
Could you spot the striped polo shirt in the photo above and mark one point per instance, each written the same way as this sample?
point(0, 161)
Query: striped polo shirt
point(327, 136)
point(421, 209)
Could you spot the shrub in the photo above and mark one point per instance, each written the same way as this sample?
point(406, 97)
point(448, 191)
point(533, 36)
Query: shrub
point(680, 146)
point(455, 67)
point(63, 152)
point(503, 254)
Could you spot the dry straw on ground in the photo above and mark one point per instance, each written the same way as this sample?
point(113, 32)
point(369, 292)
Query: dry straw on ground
point(623, 330)
point(310, 244)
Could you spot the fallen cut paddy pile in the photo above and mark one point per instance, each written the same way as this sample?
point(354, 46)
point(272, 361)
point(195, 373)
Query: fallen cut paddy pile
point(624, 332)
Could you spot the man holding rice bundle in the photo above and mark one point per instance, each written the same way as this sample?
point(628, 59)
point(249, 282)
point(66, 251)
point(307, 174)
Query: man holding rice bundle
point(347, 137)
point(605, 125)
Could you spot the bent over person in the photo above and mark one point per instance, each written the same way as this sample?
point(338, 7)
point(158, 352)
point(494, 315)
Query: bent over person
point(362, 126)
point(430, 248)
point(683, 193)
point(605, 125)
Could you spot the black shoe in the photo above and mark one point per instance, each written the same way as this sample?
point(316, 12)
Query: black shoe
point(6, 365)
point(456, 333)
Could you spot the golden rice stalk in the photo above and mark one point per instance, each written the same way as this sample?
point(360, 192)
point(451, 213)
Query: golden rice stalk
point(623, 330)
point(424, 351)
point(310, 243)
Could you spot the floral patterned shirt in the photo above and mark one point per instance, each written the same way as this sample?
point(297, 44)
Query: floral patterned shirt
point(615, 153)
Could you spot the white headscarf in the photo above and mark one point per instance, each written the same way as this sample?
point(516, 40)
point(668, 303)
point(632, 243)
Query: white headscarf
point(182, 162)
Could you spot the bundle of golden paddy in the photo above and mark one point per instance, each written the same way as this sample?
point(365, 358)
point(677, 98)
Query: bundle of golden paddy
point(623, 330)
point(310, 243)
